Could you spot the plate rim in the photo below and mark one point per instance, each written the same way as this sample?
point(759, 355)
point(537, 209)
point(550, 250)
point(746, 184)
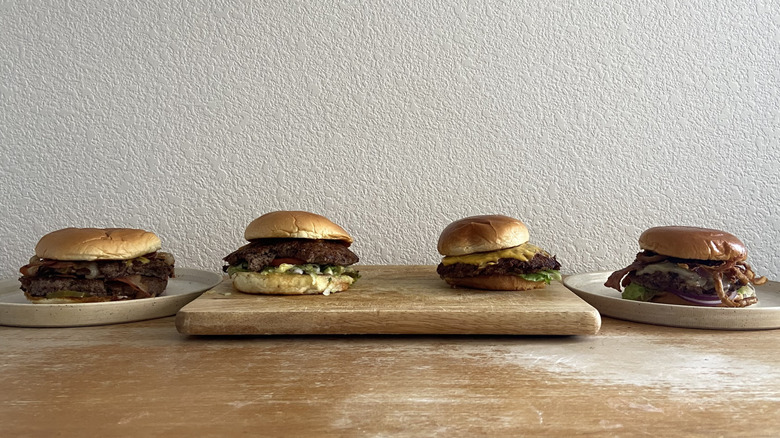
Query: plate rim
point(206, 279)
point(724, 319)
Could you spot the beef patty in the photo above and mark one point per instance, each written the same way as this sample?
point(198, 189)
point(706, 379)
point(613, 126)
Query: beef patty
point(538, 262)
point(158, 265)
point(671, 282)
point(261, 252)
point(99, 289)
point(99, 280)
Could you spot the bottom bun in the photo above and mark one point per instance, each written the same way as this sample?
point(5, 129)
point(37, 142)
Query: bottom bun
point(290, 284)
point(495, 282)
point(73, 300)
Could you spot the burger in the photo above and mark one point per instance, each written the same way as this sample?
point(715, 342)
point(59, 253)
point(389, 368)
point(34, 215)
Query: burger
point(84, 265)
point(293, 253)
point(492, 252)
point(691, 266)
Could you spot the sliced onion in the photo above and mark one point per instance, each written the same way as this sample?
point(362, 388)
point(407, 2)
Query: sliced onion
point(704, 300)
point(167, 258)
point(93, 270)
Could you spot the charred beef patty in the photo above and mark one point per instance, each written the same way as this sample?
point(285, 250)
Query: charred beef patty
point(261, 252)
point(100, 289)
point(667, 280)
point(672, 282)
point(687, 277)
point(151, 265)
point(142, 277)
point(539, 262)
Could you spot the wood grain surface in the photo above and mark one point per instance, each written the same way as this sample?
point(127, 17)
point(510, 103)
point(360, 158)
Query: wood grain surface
point(392, 300)
point(146, 379)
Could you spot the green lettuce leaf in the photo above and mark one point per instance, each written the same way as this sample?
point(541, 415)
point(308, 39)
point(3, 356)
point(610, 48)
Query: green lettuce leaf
point(233, 269)
point(638, 293)
point(746, 291)
point(306, 269)
point(546, 276)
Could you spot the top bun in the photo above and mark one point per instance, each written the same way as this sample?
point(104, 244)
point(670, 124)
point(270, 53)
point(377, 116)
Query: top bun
point(481, 234)
point(295, 224)
point(96, 244)
point(693, 243)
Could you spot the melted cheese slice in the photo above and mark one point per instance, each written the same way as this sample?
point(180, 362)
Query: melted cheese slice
point(524, 252)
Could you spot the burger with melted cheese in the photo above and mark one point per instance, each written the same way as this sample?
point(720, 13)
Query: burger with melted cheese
point(293, 253)
point(492, 252)
point(691, 266)
point(82, 265)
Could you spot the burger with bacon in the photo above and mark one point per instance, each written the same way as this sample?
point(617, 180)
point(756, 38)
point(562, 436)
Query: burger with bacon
point(82, 265)
point(492, 252)
point(293, 253)
point(691, 266)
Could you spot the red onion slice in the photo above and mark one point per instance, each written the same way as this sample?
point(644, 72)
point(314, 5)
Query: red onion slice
point(705, 300)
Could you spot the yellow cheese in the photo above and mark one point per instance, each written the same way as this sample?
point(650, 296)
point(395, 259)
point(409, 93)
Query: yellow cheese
point(522, 252)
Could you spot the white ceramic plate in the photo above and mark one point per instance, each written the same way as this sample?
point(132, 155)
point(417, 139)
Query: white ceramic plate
point(763, 315)
point(188, 284)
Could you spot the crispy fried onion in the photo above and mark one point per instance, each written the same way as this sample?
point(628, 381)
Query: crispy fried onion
point(738, 301)
point(741, 270)
point(744, 274)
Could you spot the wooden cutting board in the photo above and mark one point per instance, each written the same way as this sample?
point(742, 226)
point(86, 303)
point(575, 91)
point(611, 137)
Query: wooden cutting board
point(391, 300)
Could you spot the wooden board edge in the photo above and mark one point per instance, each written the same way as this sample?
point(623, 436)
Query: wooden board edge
point(300, 323)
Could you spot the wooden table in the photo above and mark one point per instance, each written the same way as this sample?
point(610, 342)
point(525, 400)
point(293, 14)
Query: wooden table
point(146, 379)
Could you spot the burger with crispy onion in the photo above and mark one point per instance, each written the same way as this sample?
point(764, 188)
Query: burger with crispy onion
point(691, 266)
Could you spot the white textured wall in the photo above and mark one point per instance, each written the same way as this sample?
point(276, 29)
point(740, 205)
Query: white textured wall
point(591, 121)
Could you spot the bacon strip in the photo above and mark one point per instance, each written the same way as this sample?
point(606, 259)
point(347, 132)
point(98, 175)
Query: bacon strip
point(618, 279)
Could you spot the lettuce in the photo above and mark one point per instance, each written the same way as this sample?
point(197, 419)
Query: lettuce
point(637, 292)
point(546, 276)
point(233, 269)
point(305, 269)
point(746, 291)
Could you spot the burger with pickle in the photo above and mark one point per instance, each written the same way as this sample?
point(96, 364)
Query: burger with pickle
point(82, 265)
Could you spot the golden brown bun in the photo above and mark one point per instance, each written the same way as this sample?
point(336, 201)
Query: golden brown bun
point(43, 300)
point(481, 234)
point(693, 243)
point(290, 284)
point(495, 282)
point(96, 244)
point(295, 224)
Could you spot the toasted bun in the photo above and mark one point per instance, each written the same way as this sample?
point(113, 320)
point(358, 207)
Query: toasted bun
point(495, 282)
point(693, 243)
point(290, 284)
point(481, 234)
point(295, 224)
point(96, 244)
point(42, 300)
